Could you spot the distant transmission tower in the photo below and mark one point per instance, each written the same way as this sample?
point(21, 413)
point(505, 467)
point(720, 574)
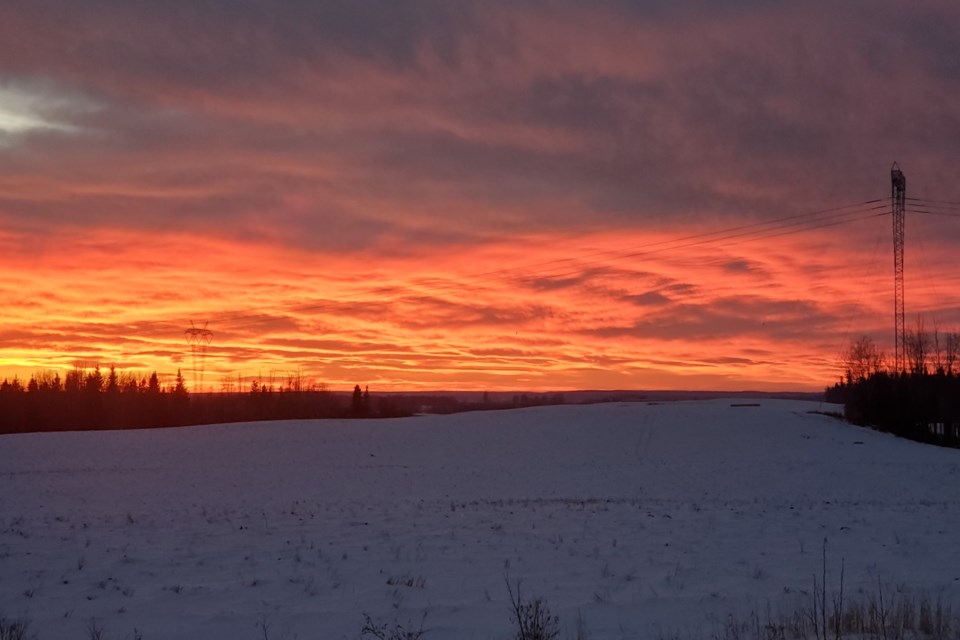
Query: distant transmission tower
point(198, 338)
point(898, 194)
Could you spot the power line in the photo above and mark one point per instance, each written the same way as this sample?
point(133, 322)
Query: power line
point(935, 205)
point(524, 274)
point(779, 227)
point(945, 214)
point(506, 274)
point(824, 226)
point(695, 236)
point(934, 201)
point(744, 238)
point(662, 246)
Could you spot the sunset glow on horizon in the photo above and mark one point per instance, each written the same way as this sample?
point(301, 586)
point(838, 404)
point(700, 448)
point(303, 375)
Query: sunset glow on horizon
point(472, 196)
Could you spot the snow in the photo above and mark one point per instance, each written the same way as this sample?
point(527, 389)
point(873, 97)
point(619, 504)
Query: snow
point(644, 519)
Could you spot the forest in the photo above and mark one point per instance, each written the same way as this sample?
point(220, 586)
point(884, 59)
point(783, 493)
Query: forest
point(86, 399)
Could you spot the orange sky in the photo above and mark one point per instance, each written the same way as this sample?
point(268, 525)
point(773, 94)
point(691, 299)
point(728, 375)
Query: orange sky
point(549, 312)
point(497, 196)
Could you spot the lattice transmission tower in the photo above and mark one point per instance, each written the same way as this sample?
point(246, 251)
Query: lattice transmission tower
point(898, 196)
point(198, 338)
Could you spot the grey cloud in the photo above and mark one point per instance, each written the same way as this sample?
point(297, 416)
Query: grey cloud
point(740, 120)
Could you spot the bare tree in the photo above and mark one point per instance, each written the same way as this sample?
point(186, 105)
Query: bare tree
point(862, 359)
point(918, 347)
point(951, 351)
point(937, 353)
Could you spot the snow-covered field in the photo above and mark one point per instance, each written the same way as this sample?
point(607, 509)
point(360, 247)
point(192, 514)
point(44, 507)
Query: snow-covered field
point(642, 519)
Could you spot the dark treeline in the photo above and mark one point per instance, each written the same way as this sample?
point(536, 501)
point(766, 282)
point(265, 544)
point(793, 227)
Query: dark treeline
point(919, 406)
point(922, 403)
point(86, 399)
point(89, 400)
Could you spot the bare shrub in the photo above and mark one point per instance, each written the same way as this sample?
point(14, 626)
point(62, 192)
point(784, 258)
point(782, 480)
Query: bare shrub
point(13, 629)
point(886, 617)
point(395, 631)
point(877, 616)
point(884, 614)
point(533, 618)
point(95, 630)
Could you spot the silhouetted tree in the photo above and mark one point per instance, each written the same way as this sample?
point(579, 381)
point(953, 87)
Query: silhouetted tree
point(180, 389)
point(153, 386)
point(12, 387)
point(918, 347)
point(73, 380)
point(94, 381)
point(113, 381)
point(951, 347)
point(862, 359)
point(131, 385)
point(356, 404)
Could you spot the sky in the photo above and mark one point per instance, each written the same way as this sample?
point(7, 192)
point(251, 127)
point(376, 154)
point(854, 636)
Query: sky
point(473, 195)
